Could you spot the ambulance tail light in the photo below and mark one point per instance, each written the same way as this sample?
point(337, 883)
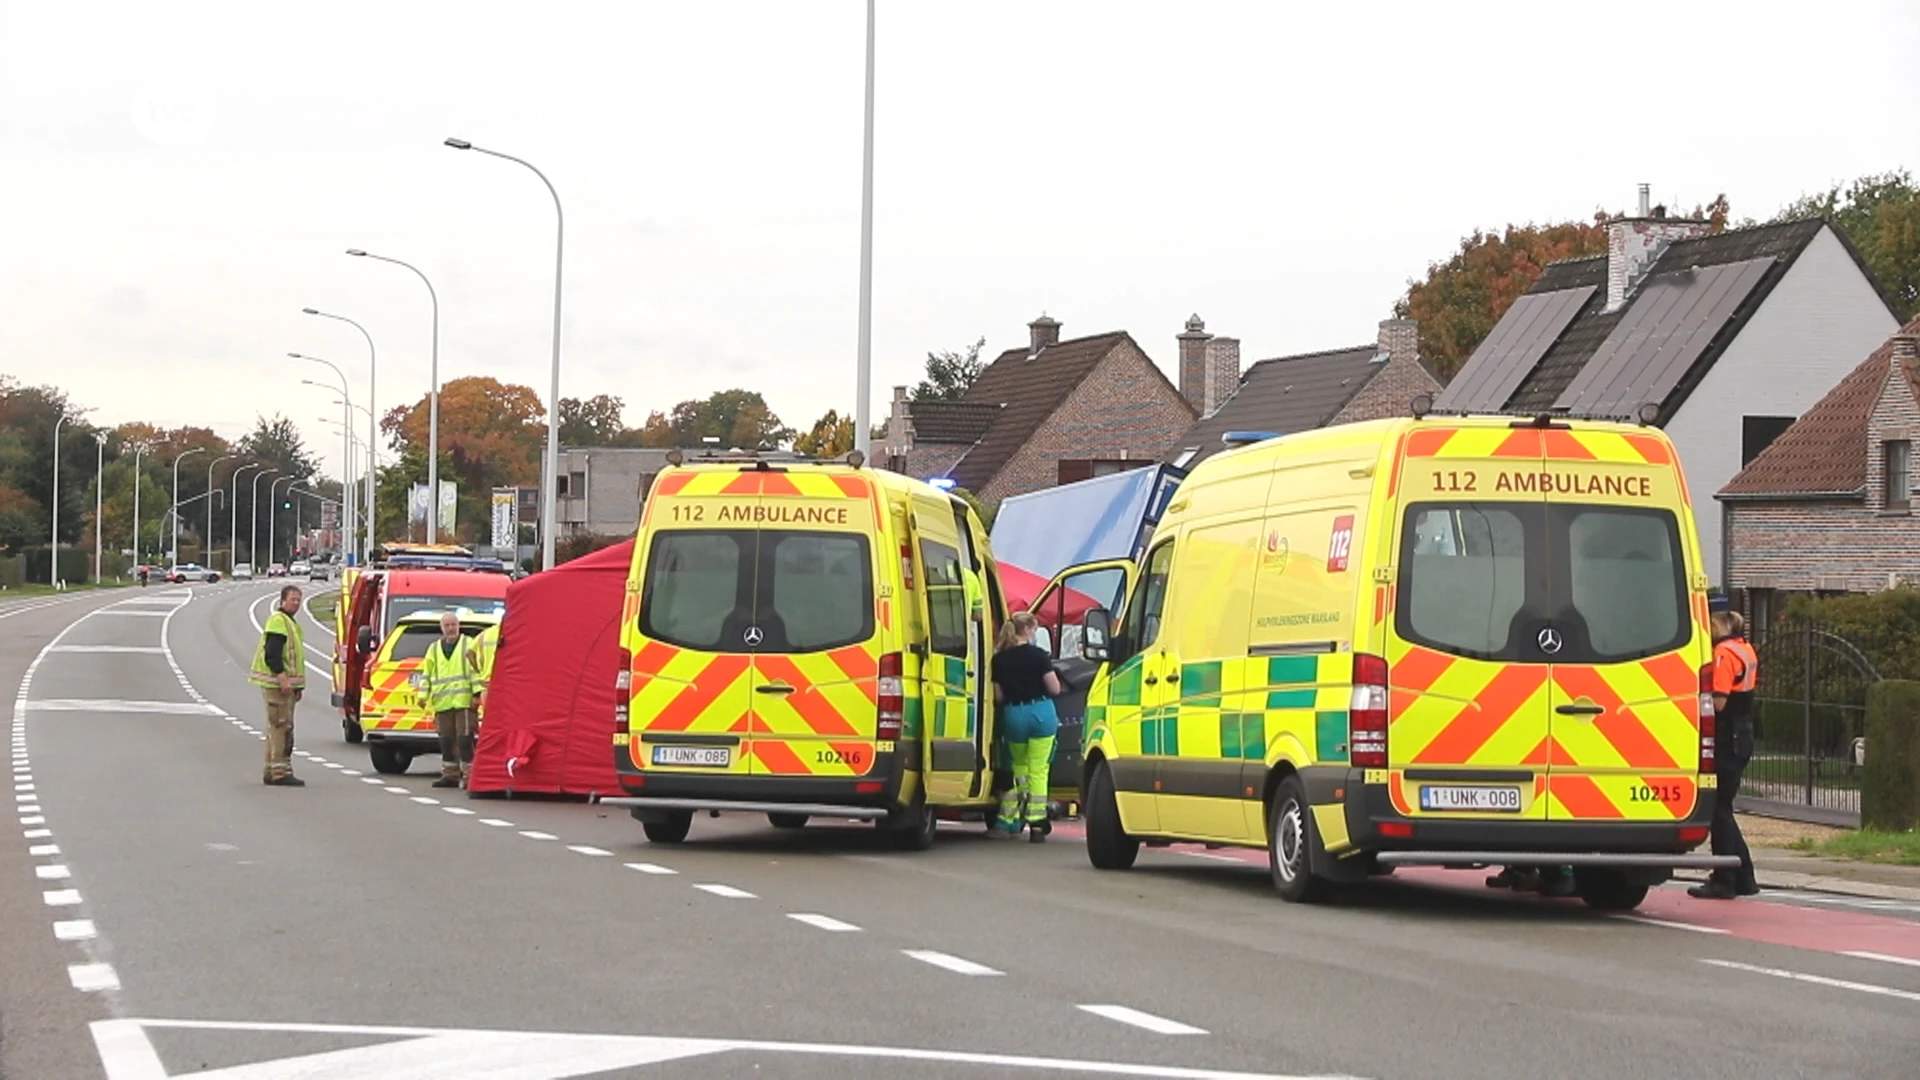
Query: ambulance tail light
point(1367, 713)
point(622, 684)
point(1706, 719)
point(893, 698)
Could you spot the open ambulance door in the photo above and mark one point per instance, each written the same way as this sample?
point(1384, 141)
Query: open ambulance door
point(362, 606)
point(1062, 609)
point(988, 609)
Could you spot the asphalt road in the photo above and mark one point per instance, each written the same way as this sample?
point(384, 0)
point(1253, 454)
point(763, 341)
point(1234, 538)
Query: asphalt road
point(365, 928)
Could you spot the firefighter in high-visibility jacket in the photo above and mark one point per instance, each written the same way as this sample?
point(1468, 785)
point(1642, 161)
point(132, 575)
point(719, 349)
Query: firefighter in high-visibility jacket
point(446, 682)
point(280, 671)
point(1736, 674)
point(485, 645)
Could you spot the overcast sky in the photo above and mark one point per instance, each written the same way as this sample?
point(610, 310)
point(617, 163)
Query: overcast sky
point(178, 180)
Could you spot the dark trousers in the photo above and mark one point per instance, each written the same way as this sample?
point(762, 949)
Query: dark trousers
point(1728, 772)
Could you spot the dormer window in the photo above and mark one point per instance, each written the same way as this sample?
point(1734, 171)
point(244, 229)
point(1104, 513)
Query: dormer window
point(1899, 473)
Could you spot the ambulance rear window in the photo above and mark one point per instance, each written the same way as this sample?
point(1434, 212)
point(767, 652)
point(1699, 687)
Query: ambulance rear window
point(1546, 583)
point(741, 590)
point(413, 642)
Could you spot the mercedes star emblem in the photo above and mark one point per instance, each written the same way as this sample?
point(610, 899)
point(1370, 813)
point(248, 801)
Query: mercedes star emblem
point(754, 636)
point(1549, 641)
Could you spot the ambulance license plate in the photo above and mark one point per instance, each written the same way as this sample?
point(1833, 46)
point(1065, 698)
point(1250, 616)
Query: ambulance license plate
point(718, 757)
point(1486, 799)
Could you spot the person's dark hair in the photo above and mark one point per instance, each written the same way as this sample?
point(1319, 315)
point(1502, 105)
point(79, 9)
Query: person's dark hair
point(286, 591)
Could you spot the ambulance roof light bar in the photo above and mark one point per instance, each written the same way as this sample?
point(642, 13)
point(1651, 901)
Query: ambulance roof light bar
point(1647, 415)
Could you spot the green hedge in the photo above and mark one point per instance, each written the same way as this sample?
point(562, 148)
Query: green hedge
point(76, 566)
point(1883, 625)
point(1890, 784)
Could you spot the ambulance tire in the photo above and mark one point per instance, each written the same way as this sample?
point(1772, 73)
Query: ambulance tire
point(916, 827)
point(1609, 890)
point(1108, 845)
point(671, 829)
point(351, 728)
point(788, 821)
point(1290, 843)
point(389, 760)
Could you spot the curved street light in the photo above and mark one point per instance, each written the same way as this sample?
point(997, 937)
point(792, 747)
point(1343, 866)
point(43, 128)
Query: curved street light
point(433, 395)
point(348, 509)
point(139, 452)
point(549, 494)
point(99, 476)
point(273, 512)
point(53, 542)
point(253, 512)
point(373, 369)
point(184, 454)
point(206, 545)
point(233, 517)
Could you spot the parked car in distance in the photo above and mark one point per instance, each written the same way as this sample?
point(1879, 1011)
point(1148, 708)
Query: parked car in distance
point(276, 570)
point(319, 572)
point(187, 573)
point(298, 568)
point(243, 571)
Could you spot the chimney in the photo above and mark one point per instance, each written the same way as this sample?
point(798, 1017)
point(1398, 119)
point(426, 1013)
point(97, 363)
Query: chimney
point(1193, 363)
point(1044, 332)
point(1399, 340)
point(1634, 243)
point(899, 427)
point(1222, 374)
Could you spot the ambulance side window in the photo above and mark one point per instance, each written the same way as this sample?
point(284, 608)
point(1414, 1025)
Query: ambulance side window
point(1140, 622)
point(946, 599)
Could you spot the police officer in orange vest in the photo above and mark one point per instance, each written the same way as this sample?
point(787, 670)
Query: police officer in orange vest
point(1736, 671)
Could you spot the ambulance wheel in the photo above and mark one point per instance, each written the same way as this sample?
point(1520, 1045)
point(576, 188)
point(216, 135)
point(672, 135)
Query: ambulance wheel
point(788, 821)
point(351, 728)
point(1290, 845)
point(388, 759)
point(670, 830)
point(1608, 890)
point(916, 826)
point(1108, 845)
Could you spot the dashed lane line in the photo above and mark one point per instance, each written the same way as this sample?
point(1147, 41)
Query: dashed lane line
point(61, 897)
point(726, 891)
point(497, 823)
point(1159, 1025)
point(92, 978)
point(951, 963)
point(651, 868)
point(74, 930)
point(533, 834)
point(1883, 958)
point(1817, 980)
point(823, 922)
point(1671, 925)
point(583, 849)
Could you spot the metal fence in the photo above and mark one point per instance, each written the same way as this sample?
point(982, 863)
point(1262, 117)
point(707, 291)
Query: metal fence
point(1811, 722)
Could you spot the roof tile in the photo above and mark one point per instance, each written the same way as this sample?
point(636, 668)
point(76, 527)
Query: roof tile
point(1285, 395)
point(1027, 388)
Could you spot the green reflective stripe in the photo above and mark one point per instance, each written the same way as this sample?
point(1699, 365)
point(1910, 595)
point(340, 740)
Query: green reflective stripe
point(1124, 689)
point(1291, 699)
point(1200, 680)
point(1243, 736)
point(1285, 670)
point(1330, 736)
point(910, 720)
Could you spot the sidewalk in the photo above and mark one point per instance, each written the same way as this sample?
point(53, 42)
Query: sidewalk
point(1778, 868)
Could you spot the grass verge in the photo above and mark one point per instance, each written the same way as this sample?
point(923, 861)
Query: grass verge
point(1866, 845)
point(323, 605)
point(48, 590)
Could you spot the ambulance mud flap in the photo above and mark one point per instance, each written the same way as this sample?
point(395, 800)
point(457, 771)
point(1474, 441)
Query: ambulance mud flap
point(657, 809)
point(1323, 784)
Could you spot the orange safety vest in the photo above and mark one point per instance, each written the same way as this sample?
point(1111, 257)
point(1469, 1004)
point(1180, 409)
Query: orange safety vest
point(1736, 672)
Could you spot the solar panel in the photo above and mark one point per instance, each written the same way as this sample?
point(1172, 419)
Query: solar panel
point(1501, 363)
point(1670, 323)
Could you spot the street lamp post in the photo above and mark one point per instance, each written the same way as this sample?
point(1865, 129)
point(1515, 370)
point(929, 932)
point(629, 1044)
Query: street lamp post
point(346, 500)
point(53, 542)
point(373, 368)
point(233, 517)
point(347, 506)
point(863, 402)
point(433, 398)
point(549, 496)
point(206, 545)
point(175, 548)
point(139, 451)
point(99, 486)
point(253, 512)
point(273, 513)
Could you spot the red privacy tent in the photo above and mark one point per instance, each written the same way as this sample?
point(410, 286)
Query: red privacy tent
point(549, 722)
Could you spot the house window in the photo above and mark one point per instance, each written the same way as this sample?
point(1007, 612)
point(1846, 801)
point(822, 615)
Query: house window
point(1757, 433)
point(1071, 470)
point(1899, 454)
point(1760, 609)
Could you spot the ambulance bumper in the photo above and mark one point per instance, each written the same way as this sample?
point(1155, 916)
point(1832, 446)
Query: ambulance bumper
point(873, 795)
point(741, 806)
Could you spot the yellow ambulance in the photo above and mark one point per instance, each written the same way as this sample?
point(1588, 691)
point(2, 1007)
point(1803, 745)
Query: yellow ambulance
point(806, 640)
point(399, 727)
point(1456, 641)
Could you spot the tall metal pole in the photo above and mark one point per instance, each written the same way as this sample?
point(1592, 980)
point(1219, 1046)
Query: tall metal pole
point(273, 513)
point(99, 486)
point(233, 518)
point(253, 512)
point(347, 498)
point(433, 399)
point(139, 451)
point(863, 402)
point(549, 495)
point(206, 542)
point(373, 450)
point(347, 504)
point(53, 542)
point(176, 501)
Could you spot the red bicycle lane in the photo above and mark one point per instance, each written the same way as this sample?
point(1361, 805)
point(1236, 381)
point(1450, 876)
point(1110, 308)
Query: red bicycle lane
point(1823, 929)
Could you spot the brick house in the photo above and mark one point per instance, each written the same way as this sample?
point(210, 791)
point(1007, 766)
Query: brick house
point(1050, 413)
point(1828, 507)
point(1299, 393)
point(1732, 336)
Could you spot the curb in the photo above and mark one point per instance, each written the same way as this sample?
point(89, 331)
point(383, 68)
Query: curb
point(1793, 881)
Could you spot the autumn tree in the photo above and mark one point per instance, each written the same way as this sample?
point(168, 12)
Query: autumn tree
point(596, 421)
point(1460, 300)
point(734, 418)
point(950, 374)
point(492, 435)
point(830, 437)
point(1880, 215)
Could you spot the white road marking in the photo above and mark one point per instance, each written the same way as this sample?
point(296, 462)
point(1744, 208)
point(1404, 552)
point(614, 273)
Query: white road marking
point(26, 810)
point(36, 834)
point(727, 891)
point(1883, 958)
point(55, 872)
point(351, 772)
point(426, 800)
point(496, 823)
point(650, 868)
point(951, 963)
point(23, 787)
point(461, 810)
point(93, 977)
point(153, 649)
point(334, 765)
point(114, 705)
point(43, 849)
point(582, 849)
point(1156, 1024)
point(1817, 980)
point(317, 760)
point(1670, 924)
point(824, 922)
point(127, 613)
point(397, 790)
point(532, 835)
point(74, 930)
point(371, 780)
point(61, 897)
point(1208, 855)
point(33, 820)
point(25, 798)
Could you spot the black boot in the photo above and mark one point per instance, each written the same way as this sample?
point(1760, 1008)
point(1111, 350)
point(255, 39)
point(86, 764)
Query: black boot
point(1714, 889)
point(447, 782)
point(1747, 886)
point(288, 780)
point(1037, 831)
